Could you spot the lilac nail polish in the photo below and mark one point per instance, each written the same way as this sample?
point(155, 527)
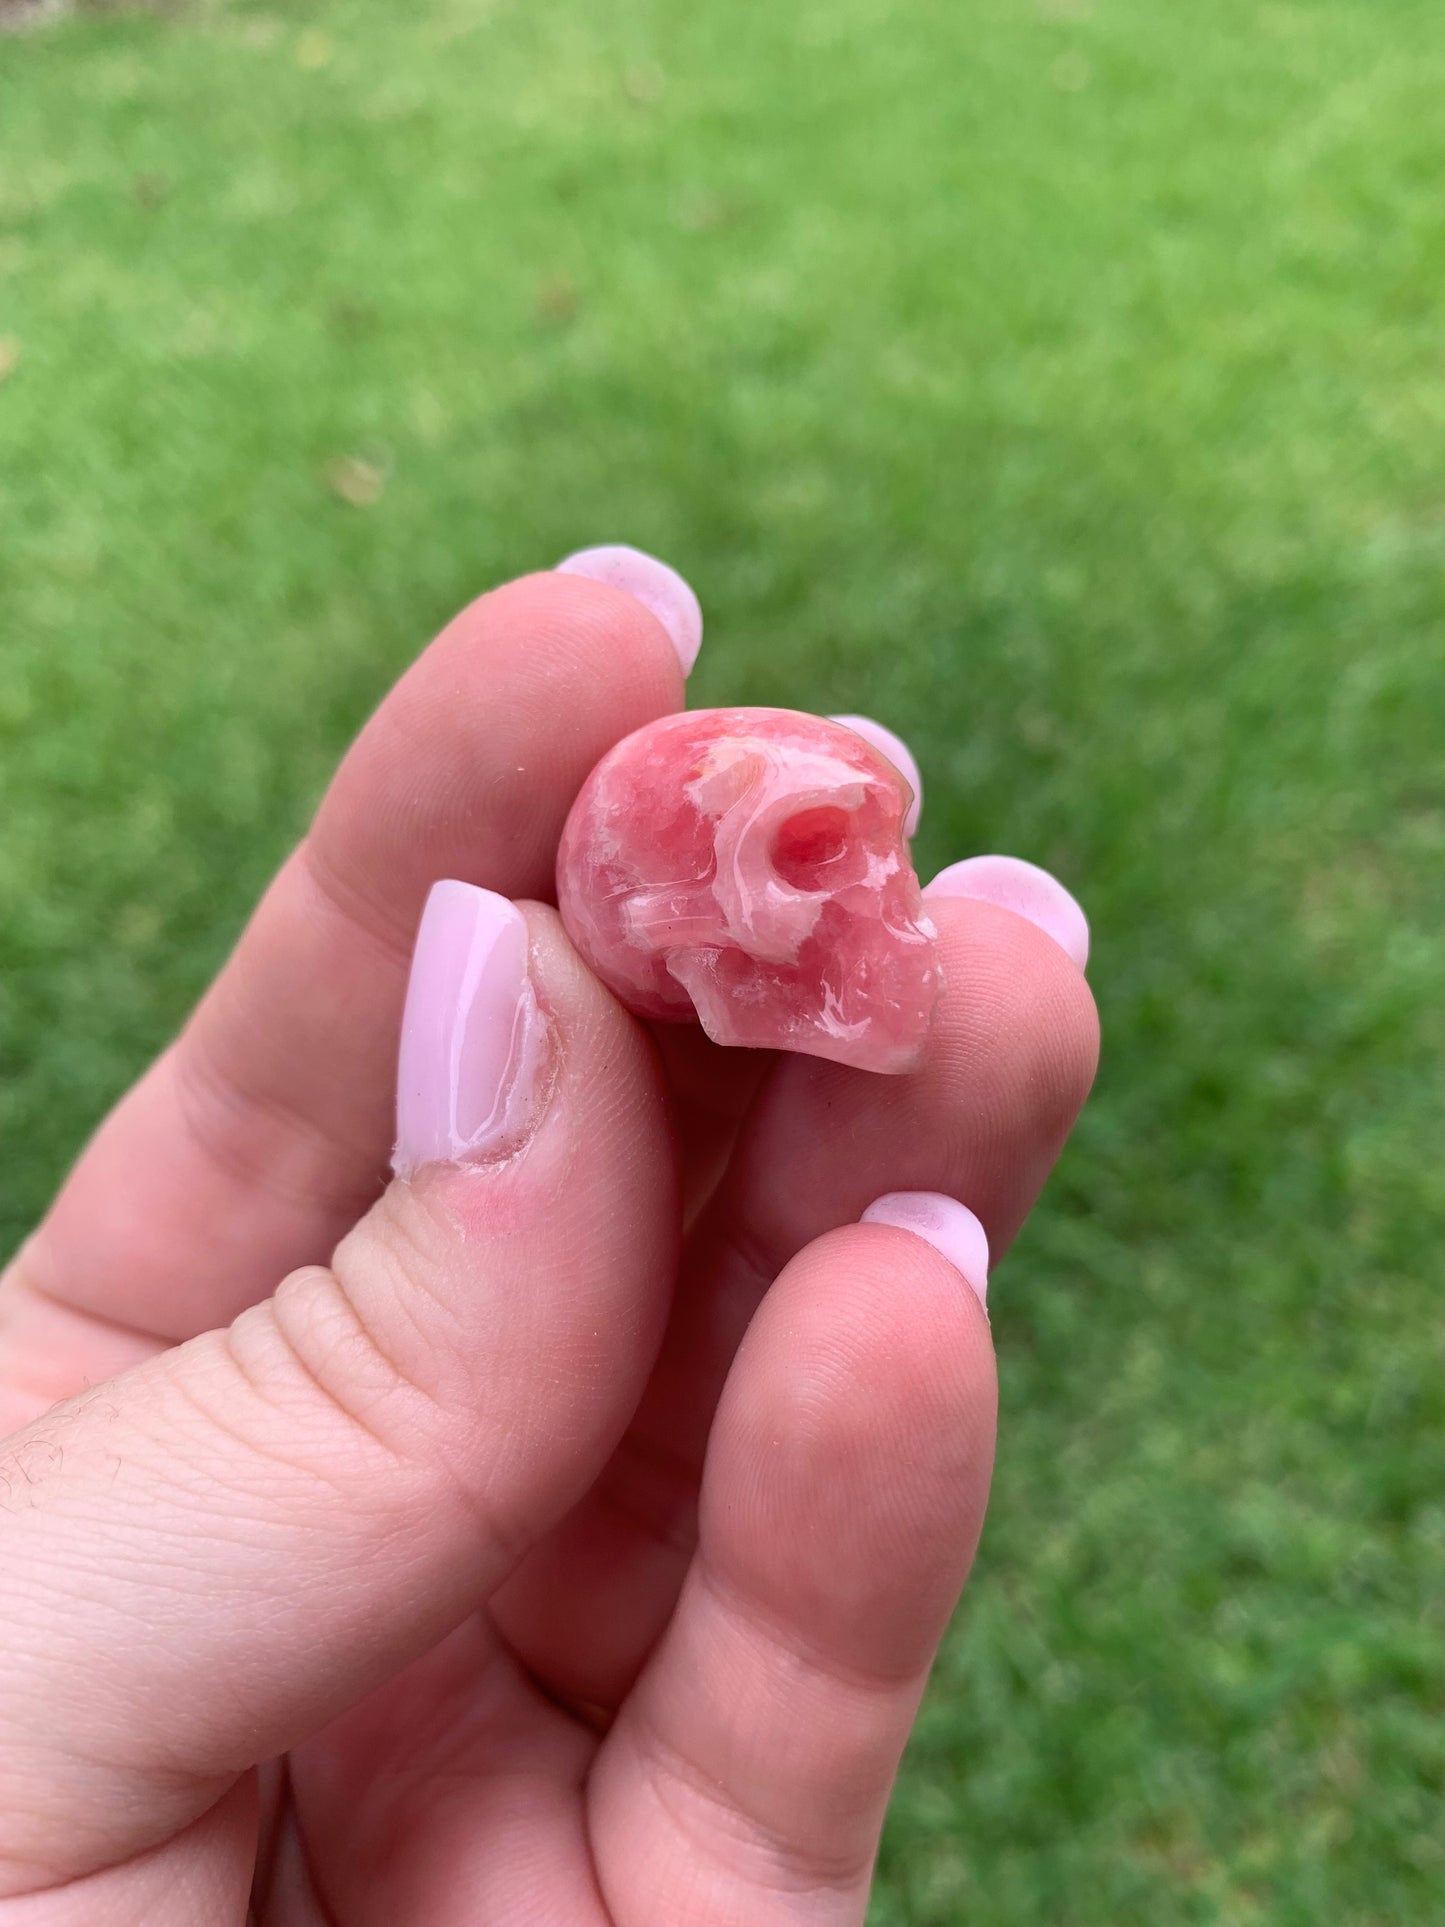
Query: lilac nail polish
point(650, 582)
point(473, 1042)
point(1023, 888)
point(898, 754)
point(944, 1223)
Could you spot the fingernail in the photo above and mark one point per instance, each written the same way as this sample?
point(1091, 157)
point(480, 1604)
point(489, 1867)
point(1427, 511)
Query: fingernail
point(650, 582)
point(898, 754)
point(472, 1037)
point(944, 1223)
point(1023, 888)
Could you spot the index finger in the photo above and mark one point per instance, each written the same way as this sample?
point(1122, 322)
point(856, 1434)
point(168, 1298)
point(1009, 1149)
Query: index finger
point(263, 1133)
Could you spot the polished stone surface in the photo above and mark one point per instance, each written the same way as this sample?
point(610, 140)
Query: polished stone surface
point(749, 867)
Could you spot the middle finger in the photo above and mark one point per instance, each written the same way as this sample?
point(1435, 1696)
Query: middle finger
point(1011, 1058)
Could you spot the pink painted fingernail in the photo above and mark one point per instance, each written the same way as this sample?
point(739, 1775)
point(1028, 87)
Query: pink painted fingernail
point(898, 754)
point(1023, 888)
point(650, 582)
point(944, 1223)
point(473, 1042)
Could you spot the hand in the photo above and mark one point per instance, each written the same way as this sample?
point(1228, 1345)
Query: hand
point(480, 1549)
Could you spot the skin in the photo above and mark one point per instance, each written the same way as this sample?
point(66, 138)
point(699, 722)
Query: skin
point(486, 1547)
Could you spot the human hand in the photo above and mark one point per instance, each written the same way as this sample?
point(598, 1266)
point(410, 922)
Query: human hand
point(481, 1548)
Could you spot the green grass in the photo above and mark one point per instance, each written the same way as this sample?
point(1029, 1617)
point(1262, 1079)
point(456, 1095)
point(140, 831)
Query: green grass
point(1061, 383)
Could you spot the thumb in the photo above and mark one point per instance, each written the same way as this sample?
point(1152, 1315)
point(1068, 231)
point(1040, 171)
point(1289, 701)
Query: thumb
point(206, 1558)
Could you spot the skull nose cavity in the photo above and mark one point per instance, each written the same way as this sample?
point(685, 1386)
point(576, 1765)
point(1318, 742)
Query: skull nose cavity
point(809, 848)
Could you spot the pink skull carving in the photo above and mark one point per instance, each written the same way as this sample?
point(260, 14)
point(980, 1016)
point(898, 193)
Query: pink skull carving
point(748, 867)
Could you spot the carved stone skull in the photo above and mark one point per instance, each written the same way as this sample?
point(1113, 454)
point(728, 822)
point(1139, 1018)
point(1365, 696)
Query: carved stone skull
point(749, 867)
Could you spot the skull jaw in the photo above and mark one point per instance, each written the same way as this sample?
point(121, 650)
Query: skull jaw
point(740, 1001)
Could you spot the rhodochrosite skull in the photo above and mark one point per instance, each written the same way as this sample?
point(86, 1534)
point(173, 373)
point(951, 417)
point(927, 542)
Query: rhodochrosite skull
point(748, 867)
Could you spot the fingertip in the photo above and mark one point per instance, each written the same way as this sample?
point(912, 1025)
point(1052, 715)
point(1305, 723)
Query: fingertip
point(474, 1055)
point(950, 1227)
point(659, 588)
point(1026, 890)
point(888, 744)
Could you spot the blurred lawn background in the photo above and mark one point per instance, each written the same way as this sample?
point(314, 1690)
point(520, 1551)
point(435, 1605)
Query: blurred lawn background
point(1060, 381)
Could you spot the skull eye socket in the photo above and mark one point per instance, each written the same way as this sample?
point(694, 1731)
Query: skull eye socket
point(808, 846)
